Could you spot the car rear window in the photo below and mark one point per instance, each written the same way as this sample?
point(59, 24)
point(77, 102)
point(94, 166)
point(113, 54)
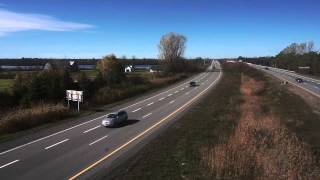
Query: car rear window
point(111, 116)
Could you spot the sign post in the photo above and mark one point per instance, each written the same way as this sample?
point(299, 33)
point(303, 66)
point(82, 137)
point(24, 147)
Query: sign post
point(73, 95)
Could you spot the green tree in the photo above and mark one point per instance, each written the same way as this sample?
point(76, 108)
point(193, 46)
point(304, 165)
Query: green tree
point(84, 82)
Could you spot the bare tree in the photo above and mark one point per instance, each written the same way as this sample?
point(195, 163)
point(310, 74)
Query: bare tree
point(171, 49)
point(300, 49)
point(172, 46)
point(311, 46)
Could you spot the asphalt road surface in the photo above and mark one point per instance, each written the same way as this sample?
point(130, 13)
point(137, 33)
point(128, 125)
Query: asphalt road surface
point(310, 85)
point(78, 151)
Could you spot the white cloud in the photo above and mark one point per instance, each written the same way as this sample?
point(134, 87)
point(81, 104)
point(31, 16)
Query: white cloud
point(15, 22)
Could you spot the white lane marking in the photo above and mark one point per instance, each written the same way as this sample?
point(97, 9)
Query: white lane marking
point(147, 115)
point(98, 140)
point(171, 102)
point(144, 132)
point(46, 137)
point(182, 84)
point(283, 79)
point(182, 89)
point(169, 95)
point(137, 110)
point(56, 144)
point(62, 131)
point(161, 99)
point(196, 88)
point(150, 104)
point(186, 86)
point(91, 129)
point(187, 93)
point(176, 92)
point(8, 164)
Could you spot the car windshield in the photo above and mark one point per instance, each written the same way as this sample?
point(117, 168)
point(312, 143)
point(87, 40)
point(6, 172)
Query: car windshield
point(111, 116)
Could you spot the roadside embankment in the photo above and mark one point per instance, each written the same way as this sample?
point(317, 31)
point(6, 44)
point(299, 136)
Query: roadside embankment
point(248, 127)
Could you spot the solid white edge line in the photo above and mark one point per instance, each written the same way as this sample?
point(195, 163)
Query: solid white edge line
point(91, 129)
point(8, 164)
point(182, 84)
point(62, 131)
point(144, 132)
point(46, 137)
point(53, 145)
point(98, 140)
point(279, 77)
point(147, 115)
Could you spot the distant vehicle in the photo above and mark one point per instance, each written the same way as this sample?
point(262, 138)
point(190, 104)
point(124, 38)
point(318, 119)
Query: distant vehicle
point(192, 84)
point(114, 119)
point(299, 80)
point(266, 68)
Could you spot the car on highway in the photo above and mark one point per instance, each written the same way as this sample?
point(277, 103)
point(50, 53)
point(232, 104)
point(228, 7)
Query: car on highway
point(114, 119)
point(299, 80)
point(192, 84)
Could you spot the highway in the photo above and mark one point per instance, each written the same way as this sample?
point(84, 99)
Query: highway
point(79, 150)
point(310, 85)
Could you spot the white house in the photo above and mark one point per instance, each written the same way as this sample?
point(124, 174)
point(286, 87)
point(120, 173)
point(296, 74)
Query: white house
point(128, 69)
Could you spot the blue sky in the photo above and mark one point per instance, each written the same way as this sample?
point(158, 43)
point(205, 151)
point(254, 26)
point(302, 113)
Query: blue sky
point(214, 28)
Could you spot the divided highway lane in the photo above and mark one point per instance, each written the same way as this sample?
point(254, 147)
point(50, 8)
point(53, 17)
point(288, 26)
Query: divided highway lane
point(72, 151)
point(310, 85)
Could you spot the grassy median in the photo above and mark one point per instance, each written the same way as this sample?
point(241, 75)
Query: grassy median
point(248, 127)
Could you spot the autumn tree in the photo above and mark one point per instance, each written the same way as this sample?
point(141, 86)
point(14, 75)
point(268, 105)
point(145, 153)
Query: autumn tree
point(110, 70)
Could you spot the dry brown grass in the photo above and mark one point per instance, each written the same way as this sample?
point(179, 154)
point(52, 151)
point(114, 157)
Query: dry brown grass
point(25, 118)
point(260, 148)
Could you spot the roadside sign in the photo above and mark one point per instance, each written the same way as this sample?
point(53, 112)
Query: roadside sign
point(76, 96)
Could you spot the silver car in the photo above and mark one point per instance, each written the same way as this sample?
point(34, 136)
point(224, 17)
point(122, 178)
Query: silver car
point(114, 119)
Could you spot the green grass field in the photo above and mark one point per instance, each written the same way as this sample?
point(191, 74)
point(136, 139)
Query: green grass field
point(5, 84)
point(90, 73)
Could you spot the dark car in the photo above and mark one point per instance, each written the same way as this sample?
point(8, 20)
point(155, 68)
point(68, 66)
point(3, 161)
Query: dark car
point(114, 119)
point(192, 84)
point(266, 68)
point(299, 80)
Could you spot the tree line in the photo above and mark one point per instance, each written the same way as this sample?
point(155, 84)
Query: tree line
point(301, 58)
point(49, 85)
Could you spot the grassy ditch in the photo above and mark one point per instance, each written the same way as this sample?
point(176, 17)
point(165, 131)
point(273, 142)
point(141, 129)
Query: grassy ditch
point(175, 154)
point(248, 127)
